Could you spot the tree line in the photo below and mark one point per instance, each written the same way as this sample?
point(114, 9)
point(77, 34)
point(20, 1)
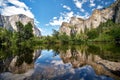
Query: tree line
point(106, 32)
point(23, 35)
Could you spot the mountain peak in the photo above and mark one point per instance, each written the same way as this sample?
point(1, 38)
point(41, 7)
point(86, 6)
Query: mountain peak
point(9, 22)
point(97, 17)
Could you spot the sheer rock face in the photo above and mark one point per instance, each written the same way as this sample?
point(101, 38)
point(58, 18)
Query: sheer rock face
point(65, 28)
point(97, 17)
point(117, 12)
point(9, 22)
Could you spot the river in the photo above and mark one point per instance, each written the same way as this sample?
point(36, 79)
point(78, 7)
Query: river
point(61, 62)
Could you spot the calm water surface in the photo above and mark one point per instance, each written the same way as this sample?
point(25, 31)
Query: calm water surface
point(83, 62)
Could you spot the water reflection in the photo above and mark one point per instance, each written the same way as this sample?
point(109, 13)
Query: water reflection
point(58, 62)
point(52, 67)
point(17, 63)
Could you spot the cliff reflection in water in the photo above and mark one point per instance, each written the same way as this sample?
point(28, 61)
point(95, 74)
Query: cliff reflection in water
point(61, 62)
point(104, 59)
point(89, 62)
point(17, 63)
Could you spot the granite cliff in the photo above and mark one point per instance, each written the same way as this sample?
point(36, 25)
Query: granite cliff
point(117, 11)
point(78, 25)
point(9, 22)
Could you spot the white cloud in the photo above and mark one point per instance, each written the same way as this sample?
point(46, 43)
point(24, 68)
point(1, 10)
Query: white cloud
point(18, 3)
point(36, 22)
point(57, 22)
point(54, 17)
point(69, 14)
point(1, 2)
point(17, 7)
point(99, 7)
point(92, 4)
point(87, 15)
point(12, 10)
point(64, 17)
point(82, 10)
point(66, 7)
point(56, 62)
point(79, 4)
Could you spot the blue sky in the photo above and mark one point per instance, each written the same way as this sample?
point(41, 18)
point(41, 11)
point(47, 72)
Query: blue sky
point(49, 14)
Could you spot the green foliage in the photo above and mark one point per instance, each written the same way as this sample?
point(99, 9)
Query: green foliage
point(55, 34)
point(28, 32)
point(20, 32)
point(64, 39)
point(107, 51)
point(5, 37)
point(23, 36)
point(115, 33)
point(92, 34)
point(107, 31)
point(24, 32)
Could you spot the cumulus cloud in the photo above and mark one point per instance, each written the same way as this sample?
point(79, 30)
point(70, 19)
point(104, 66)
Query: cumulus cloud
point(54, 17)
point(56, 22)
point(66, 7)
point(12, 10)
point(17, 7)
point(1, 2)
point(64, 17)
point(18, 3)
point(79, 4)
point(92, 4)
point(99, 7)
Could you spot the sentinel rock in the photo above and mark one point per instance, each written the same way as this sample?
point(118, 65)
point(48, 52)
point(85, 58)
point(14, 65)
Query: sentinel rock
point(9, 22)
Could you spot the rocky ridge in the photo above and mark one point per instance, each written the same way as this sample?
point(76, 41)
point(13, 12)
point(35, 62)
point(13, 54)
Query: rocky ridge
point(79, 25)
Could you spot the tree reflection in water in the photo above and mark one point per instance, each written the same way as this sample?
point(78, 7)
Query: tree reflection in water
point(15, 60)
point(60, 62)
